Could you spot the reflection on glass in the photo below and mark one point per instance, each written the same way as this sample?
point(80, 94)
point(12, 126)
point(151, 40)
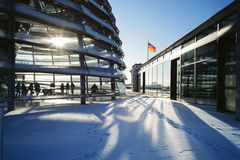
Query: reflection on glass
point(206, 82)
point(154, 81)
point(160, 80)
point(187, 86)
point(230, 75)
point(187, 58)
point(166, 79)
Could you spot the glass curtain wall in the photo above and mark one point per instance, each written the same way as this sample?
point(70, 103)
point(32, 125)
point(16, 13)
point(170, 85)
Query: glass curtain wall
point(187, 77)
point(154, 81)
point(158, 80)
point(166, 79)
point(207, 74)
point(230, 75)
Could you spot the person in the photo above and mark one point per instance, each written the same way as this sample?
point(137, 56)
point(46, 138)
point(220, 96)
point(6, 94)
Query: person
point(94, 89)
point(30, 88)
point(72, 88)
point(18, 89)
point(52, 88)
point(62, 88)
point(37, 88)
point(67, 88)
point(24, 90)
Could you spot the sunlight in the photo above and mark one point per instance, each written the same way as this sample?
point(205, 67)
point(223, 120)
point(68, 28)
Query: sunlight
point(60, 42)
point(111, 141)
point(71, 117)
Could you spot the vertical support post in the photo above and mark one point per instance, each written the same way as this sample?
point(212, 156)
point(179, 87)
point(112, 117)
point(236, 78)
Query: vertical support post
point(195, 74)
point(83, 88)
point(221, 76)
point(147, 52)
point(11, 58)
point(101, 84)
point(237, 115)
point(83, 80)
point(113, 88)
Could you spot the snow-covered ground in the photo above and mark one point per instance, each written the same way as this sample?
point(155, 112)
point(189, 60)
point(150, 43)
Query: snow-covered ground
point(129, 128)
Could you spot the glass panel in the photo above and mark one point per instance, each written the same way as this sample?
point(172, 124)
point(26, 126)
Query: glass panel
point(228, 20)
point(207, 82)
point(187, 85)
point(207, 51)
point(167, 54)
point(103, 63)
point(3, 24)
point(74, 60)
point(91, 61)
point(230, 75)
point(160, 80)
point(166, 79)
point(176, 49)
point(188, 57)
point(3, 85)
point(207, 31)
point(150, 74)
point(188, 43)
point(154, 82)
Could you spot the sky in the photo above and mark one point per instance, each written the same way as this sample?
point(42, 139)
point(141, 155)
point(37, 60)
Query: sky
point(161, 22)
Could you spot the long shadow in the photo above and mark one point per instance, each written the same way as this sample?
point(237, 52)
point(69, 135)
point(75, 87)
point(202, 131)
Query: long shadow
point(132, 137)
point(86, 139)
point(209, 139)
point(24, 140)
point(28, 137)
point(223, 116)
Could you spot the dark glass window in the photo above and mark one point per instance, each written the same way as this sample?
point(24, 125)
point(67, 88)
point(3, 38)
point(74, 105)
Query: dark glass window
point(207, 51)
point(3, 85)
point(206, 82)
point(187, 58)
point(207, 31)
point(3, 24)
point(230, 74)
point(228, 20)
point(187, 86)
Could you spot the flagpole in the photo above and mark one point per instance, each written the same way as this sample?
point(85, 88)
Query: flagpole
point(147, 52)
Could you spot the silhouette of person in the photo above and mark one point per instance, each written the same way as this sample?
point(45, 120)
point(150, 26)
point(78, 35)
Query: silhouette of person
point(18, 89)
point(94, 89)
point(62, 88)
point(72, 88)
point(24, 90)
point(67, 88)
point(37, 88)
point(30, 88)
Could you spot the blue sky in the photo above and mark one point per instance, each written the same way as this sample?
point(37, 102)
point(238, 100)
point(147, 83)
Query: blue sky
point(162, 22)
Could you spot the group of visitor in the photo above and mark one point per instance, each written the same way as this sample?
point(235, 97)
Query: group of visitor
point(62, 87)
point(22, 89)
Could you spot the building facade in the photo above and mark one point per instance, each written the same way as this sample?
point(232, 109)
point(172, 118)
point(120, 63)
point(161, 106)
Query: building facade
point(202, 67)
point(58, 47)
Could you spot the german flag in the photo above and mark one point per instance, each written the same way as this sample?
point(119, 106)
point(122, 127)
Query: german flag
point(151, 48)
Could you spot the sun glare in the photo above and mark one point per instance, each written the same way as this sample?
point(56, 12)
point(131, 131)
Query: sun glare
point(59, 42)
